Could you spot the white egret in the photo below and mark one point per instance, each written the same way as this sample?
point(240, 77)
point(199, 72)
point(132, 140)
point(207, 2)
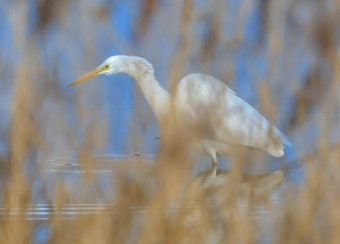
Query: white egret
point(201, 99)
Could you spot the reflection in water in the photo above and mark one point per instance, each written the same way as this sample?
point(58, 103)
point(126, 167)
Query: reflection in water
point(215, 191)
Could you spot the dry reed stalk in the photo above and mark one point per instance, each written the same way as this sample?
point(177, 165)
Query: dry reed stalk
point(165, 203)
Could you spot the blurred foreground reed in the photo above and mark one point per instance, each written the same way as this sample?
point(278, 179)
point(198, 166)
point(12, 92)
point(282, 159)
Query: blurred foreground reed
point(286, 64)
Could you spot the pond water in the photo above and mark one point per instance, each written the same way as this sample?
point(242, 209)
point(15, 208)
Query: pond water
point(92, 187)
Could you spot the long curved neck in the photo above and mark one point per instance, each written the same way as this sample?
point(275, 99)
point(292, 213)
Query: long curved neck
point(143, 72)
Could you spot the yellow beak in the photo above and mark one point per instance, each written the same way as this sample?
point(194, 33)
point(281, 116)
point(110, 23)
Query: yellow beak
point(87, 76)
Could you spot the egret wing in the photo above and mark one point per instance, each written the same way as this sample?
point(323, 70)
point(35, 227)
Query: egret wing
point(221, 115)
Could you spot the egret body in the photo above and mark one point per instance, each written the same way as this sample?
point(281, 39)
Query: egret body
point(201, 99)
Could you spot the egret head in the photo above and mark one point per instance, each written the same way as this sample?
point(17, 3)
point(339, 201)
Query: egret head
point(112, 65)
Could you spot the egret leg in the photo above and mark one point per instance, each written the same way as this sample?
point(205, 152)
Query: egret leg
point(214, 165)
point(213, 171)
point(209, 180)
point(211, 175)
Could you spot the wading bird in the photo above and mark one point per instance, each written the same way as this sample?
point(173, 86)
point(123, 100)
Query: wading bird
point(225, 119)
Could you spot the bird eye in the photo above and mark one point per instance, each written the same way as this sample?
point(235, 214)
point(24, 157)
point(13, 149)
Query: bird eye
point(106, 66)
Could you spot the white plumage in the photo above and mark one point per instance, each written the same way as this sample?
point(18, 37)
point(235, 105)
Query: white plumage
point(204, 101)
point(227, 118)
